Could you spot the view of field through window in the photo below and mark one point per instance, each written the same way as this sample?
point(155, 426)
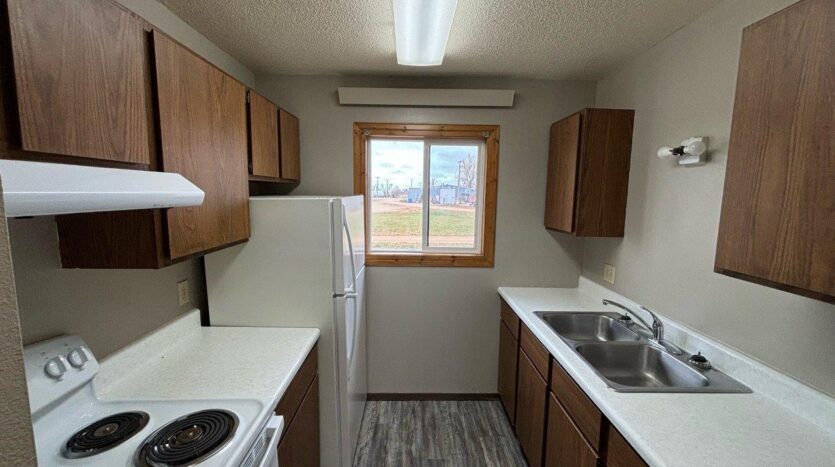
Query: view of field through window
point(396, 186)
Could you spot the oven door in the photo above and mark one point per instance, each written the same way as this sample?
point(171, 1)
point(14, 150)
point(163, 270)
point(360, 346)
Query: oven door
point(275, 425)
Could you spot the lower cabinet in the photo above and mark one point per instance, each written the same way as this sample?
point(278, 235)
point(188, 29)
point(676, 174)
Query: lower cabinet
point(299, 447)
point(565, 445)
point(556, 423)
point(530, 410)
point(508, 358)
point(620, 453)
point(299, 443)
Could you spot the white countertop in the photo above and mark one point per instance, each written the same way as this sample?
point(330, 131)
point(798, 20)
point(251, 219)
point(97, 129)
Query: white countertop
point(183, 360)
point(783, 422)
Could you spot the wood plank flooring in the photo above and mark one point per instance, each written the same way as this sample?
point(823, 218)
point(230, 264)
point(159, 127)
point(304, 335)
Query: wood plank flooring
point(437, 434)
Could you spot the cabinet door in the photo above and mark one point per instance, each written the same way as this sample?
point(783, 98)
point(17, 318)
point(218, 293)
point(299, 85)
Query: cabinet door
point(778, 207)
point(620, 453)
point(565, 445)
point(562, 174)
point(288, 131)
point(79, 67)
point(508, 358)
point(603, 172)
point(263, 135)
point(299, 446)
point(530, 410)
point(202, 117)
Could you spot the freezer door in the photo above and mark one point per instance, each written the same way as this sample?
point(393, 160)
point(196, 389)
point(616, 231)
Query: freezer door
point(349, 242)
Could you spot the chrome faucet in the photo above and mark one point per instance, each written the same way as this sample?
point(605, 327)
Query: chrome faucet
point(656, 328)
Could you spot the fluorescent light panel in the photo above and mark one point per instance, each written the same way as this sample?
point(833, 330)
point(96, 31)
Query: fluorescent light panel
point(421, 30)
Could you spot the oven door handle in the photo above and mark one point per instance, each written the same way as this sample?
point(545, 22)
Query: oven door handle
point(275, 425)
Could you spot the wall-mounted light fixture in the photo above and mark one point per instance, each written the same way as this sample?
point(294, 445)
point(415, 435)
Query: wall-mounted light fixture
point(421, 30)
point(693, 151)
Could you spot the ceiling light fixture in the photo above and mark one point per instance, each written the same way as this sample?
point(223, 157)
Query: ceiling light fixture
point(421, 30)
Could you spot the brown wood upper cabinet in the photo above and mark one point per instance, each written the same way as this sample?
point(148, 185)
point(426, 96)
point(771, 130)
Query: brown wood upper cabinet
point(202, 119)
point(80, 82)
point(588, 173)
point(202, 134)
point(288, 132)
point(778, 210)
point(263, 137)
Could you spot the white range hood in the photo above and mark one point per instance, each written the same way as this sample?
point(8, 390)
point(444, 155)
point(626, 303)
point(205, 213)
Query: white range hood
point(45, 189)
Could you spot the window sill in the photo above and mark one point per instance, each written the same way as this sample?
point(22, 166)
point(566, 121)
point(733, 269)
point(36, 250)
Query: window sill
point(428, 260)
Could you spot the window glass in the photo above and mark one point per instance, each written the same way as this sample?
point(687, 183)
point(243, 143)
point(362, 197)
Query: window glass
point(453, 195)
point(395, 185)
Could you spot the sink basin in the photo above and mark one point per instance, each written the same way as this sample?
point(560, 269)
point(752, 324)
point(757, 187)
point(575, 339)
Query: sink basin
point(641, 367)
point(588, 326)
point(628, 361)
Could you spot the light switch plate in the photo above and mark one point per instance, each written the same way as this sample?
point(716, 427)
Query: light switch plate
point(182, 292)
point(609, 273)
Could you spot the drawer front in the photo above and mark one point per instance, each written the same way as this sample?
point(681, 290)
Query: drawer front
point(581, 409)
point(536, 352)
point(292, 398)
point(510, 319)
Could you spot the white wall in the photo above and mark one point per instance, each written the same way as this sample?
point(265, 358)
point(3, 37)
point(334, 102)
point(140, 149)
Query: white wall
point(157, 14)
point(682, 87)
point(436, 329)
point(109, 308)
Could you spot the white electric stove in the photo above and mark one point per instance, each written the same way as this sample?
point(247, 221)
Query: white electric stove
point(74, 427)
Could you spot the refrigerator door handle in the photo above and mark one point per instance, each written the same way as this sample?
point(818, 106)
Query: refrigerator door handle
point(353, 296)
point(353, 289)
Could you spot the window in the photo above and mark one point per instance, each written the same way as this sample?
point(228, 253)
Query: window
point(430, 193)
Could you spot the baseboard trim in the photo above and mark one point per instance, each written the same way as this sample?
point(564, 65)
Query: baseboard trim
point(427, 396)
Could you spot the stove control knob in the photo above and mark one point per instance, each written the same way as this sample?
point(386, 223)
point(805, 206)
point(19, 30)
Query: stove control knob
point(77, 357)
point(56, 367)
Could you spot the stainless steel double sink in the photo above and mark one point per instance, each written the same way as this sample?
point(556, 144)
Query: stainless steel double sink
point(628, 361)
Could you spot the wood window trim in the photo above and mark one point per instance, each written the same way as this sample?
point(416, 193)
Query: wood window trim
point(489, 133)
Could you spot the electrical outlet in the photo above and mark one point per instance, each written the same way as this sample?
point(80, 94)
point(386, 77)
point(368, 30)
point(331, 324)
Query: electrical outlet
point(609, 273)
point(182, 292)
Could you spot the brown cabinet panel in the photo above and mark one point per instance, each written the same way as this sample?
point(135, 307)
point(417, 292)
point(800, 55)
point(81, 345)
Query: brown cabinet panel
point(620, 453)
point(562, 173)
point(202, 118)
point(603, 175)
point(536, 352)
point(777, 226)
point(263, 136)
point(510, 319)
point(565, 446)
point(530, 410)
point(291, 400)
point(582, 410)
point(299, 445)
point(588, 173)
point(508, 359)
point(288, 132)
point(79, 69)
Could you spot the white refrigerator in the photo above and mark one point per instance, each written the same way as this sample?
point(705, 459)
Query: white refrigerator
point(304, 266)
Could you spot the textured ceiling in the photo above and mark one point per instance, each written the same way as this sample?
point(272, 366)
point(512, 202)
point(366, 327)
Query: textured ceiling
point(553, 39)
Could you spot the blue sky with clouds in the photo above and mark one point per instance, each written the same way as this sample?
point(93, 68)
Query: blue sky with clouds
point(401, 162)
